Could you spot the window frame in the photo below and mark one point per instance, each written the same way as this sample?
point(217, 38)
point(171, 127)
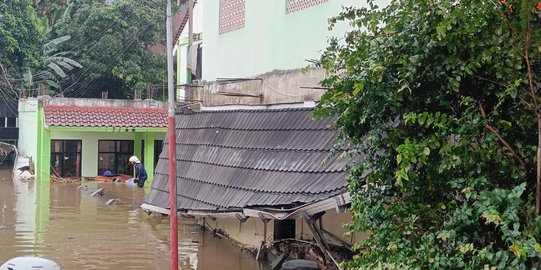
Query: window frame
point(64, 154)
point(120, 167)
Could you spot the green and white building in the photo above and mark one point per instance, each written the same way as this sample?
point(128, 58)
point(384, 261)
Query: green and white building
point(79, 138)
point(267, 42)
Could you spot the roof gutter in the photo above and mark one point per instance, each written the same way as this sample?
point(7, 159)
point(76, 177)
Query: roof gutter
point(337, 202)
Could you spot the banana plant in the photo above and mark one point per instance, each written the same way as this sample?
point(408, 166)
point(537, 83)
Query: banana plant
point(55, 66)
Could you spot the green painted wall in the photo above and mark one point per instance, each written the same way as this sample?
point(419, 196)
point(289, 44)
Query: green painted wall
point(43, 160)
point(149, 156)
point(90, 145)
point(271, 38)
point(137, 144)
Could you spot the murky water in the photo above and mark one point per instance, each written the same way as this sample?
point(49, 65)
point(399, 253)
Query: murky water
point(78, 231)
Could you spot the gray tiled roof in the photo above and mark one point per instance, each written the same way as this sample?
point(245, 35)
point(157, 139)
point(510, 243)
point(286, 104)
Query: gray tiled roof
point(250, 158)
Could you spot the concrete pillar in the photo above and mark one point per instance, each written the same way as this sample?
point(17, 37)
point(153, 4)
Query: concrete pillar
point(43, 172)
point(149, 156)
point(137, 146)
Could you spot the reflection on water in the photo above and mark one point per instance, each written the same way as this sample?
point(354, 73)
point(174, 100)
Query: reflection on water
point(67, 225)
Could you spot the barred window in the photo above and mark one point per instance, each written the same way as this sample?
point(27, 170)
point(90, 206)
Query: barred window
point(298, 5)
point(232, 15)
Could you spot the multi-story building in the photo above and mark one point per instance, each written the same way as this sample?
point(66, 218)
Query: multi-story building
point(250, 150)
point(252, 52)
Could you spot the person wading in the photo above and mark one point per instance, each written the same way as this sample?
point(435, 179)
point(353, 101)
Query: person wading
point(140, 172)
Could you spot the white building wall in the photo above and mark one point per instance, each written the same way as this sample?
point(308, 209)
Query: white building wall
point(28, 127)
point(270, 39)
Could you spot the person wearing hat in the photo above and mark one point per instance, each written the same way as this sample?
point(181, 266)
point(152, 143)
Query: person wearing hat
point(140, 172)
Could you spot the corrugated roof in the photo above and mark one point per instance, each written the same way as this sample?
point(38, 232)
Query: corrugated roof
point(80, 116)
point(250, 158)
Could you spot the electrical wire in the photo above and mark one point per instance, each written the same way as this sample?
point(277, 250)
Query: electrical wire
point(77, 89)
point(277, 91)
point(92, 43)
point(82, 91)
point(87, 41)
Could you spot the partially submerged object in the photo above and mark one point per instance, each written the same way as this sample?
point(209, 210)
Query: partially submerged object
point(30, 263)
point(99, 191)
point(23, 168)
point(8, 152)
point(112, 201)
point(300, 265)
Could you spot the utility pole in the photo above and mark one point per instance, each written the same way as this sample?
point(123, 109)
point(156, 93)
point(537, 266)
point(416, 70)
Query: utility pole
point(190, 23)
point(190, 39)
point(173, 220)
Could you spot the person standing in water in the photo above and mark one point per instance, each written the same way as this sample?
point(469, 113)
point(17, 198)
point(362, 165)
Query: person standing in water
point(140, 172)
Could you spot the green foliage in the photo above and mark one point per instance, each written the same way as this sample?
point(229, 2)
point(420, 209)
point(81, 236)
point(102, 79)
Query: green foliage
point(112, 44)
point(54, 67)
point(81, 47)
point(20, 40)
point(435, 96)
point(27, 57)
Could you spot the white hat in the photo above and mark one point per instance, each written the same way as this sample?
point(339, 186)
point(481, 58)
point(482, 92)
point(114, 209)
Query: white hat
point(134, 159)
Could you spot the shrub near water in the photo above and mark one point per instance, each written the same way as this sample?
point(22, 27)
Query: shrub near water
point(440, 98)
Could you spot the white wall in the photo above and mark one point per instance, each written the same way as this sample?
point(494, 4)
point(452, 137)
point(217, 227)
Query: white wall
point(28, 127)
point(271, 38)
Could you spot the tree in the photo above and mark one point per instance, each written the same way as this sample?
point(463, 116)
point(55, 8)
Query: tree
point(54, 66)
point(20, 42)
point(439, 99)
point(112, 43)
point(27, 57)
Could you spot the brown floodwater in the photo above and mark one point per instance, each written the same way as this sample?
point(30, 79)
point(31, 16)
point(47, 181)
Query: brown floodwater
point(65, 224)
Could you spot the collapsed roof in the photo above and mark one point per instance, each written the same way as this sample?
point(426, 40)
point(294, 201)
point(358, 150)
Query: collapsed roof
point(271, 163)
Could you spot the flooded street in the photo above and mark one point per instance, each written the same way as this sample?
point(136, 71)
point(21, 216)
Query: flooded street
point(78, 231)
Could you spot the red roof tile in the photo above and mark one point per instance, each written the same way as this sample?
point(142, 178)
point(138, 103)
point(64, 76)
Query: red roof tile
point(76, 116)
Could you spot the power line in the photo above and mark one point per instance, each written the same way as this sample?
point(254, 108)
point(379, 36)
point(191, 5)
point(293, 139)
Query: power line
point(83, 90)
point(92, 42)
point(75, 87)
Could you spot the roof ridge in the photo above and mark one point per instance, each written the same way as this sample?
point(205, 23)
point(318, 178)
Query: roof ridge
point(254, 110)
point(105, 108)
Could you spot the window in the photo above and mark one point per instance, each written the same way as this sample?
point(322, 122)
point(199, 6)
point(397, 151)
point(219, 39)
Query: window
point(113, 156)
point(298, 5)
point(158, 147)
point(232, 13)
point(66, 158)
point(284, 229)
point(11, 122)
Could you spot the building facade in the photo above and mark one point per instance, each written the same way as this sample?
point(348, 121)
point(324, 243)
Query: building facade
point(257, 55)
point(89, 137)
point(256, 52)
